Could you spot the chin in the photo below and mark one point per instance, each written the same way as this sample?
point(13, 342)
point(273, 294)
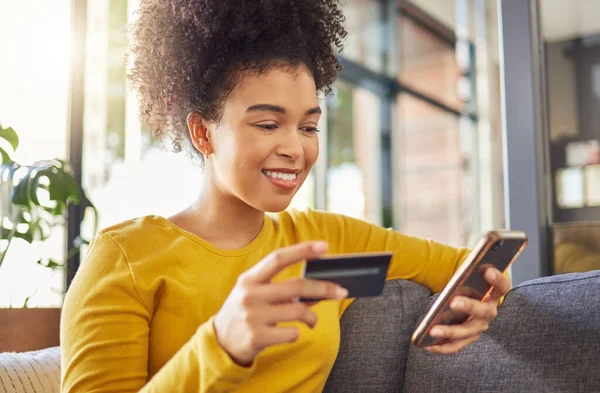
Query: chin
point(274, 205)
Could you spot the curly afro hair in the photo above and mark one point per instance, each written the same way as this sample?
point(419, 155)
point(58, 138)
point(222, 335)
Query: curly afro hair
point(189, 54)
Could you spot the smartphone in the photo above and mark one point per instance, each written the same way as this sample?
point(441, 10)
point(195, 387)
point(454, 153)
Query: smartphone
point(496, 248)
point(362, 274)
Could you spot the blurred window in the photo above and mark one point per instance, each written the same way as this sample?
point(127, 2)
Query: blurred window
point(35, 45)
point(428, 63)
point(353, 151)
point(430, 179)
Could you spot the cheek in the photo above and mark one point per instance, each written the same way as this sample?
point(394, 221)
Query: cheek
point(244, 158)
point(233, 149)
point(311, 151)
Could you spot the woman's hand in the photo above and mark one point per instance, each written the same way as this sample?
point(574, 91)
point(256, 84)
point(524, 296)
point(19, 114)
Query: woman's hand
point(481, 314)
point(247, 322)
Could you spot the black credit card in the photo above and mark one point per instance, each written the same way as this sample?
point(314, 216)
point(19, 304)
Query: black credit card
point(361, 274)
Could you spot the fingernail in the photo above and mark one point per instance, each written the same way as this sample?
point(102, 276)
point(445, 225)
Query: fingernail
point(493, 274)
point(437, 332)
point(341, 293)
point(320, 247)
point(458, 304)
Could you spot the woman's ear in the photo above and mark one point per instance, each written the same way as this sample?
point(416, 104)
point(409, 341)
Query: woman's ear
point(199, 133)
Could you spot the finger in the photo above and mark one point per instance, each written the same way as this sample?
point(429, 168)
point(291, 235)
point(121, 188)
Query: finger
point(475, 308)
point(452, 347)
point(291, 301)
point(500, 282)
point(278, 260)
point(290, 312)
point(299, 287)
point(278, 335)
point(463, 331)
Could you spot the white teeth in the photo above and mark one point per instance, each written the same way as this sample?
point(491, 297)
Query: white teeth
point(281, 175)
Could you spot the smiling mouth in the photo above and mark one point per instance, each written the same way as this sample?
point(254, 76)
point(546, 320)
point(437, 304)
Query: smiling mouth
point(283, 180)
point(281, 175)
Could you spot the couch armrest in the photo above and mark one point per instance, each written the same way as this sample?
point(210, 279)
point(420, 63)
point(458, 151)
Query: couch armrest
point(37, 371)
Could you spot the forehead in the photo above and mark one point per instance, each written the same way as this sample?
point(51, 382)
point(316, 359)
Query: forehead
point(290, 88)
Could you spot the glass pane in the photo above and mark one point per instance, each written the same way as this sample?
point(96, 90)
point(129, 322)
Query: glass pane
point(429, 187)
point(125, 172)
point(428, 63)
point(365, 26)
point(442, 11)
point(353, 150)
point(35, 42)
point(571, 34)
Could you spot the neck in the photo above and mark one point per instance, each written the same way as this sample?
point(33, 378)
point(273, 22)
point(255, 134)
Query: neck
point(224, 220)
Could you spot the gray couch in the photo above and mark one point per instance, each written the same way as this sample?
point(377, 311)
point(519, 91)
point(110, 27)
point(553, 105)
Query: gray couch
point(546, 338)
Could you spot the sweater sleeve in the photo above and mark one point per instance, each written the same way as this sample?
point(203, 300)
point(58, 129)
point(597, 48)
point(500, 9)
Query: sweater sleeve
point(423, 261)
point(105, 336)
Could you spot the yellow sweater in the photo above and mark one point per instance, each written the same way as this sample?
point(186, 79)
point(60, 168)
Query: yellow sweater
point(138, 316)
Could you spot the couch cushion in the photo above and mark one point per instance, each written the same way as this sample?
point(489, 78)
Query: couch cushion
point(29, 372)
point(375, 334)
point(546, 338)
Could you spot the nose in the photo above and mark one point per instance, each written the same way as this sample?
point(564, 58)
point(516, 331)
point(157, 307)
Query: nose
point(290, 145)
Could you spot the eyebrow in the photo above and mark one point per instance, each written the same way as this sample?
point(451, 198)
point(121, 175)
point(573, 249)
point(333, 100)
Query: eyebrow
point(278, 109)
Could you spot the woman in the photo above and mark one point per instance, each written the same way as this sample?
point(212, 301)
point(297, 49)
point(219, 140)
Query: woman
point(203, 301)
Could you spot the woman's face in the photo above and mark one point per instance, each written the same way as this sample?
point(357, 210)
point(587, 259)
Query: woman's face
point(266, 142)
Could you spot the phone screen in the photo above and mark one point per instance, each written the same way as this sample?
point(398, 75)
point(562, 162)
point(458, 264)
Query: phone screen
point(499, 255)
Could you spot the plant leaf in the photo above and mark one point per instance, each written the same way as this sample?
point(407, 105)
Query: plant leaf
point(51, 264)
point(62, 185)
point(87, 205)
point(7, 208)
point(36, 231)
point(5, 157)
point(10, 135)
point(27, 236)
point(28, 298)
point(20, 194)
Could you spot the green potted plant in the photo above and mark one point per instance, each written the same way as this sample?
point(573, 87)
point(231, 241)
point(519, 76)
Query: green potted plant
point(33, 200)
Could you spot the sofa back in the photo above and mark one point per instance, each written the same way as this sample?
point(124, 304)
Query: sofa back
point(546, 338)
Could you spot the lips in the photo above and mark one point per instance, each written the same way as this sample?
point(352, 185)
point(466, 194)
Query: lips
point(282, 178)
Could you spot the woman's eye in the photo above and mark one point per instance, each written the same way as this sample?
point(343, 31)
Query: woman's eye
point(310, 129)
point(268, 127)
